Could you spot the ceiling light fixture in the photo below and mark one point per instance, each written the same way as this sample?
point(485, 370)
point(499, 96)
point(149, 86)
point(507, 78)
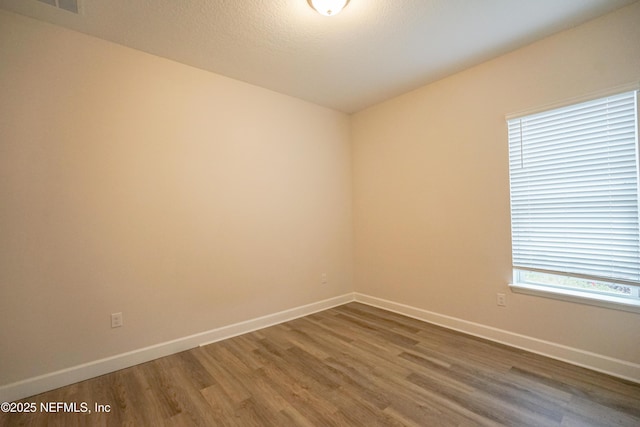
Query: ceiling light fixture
point(328, 7)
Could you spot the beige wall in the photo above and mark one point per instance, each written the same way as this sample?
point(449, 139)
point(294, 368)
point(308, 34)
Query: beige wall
point(431, 187)
point(131, 183)
point(190, 201)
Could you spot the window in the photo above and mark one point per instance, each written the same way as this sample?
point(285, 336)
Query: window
point(574, 202)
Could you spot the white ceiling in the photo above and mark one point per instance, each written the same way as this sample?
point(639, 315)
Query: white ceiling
point(373, 50)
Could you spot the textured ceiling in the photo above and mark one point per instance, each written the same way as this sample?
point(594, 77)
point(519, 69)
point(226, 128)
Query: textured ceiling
point(373, 50)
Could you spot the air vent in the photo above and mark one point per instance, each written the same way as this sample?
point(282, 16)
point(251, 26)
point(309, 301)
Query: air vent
point(68, 5)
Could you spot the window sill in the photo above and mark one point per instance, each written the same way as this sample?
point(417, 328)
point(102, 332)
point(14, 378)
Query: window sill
point(606, 301)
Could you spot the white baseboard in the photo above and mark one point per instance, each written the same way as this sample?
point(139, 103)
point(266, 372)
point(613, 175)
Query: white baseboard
point(594, 361)
point(597, 362)
point(53, 380)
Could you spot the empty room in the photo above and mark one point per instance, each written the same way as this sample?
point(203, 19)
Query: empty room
point(319, 212)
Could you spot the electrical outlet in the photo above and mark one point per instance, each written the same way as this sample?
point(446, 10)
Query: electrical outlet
point(116, 320)
point(502, 300)
point(323, 278)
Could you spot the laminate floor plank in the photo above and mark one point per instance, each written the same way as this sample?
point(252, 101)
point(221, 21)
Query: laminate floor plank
point(498, 387)
point(353, 365)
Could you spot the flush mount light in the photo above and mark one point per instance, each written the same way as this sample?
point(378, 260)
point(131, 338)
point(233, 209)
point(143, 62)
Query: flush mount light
point(328, 7)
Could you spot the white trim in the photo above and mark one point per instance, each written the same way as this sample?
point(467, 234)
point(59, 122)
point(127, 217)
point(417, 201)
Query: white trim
point(53, 380)
point(575, 100)
point(599, 300)
point(597, 362)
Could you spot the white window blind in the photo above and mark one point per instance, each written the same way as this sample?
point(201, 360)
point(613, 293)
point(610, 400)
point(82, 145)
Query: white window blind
point(574, 189)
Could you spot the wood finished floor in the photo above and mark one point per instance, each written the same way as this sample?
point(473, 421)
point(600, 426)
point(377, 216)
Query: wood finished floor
point(353, 365)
